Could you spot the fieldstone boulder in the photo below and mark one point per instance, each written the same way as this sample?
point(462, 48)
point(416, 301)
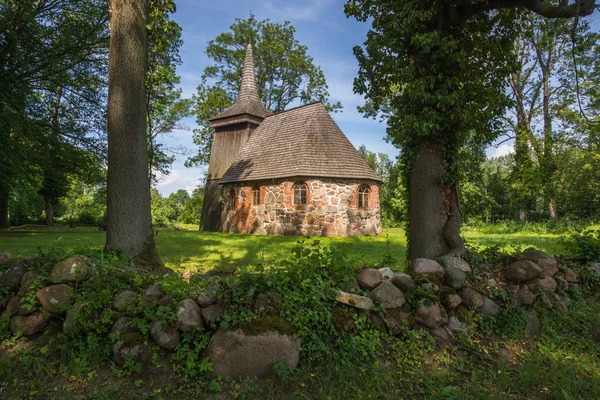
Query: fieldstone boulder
point(4, 256)
point(10, 279)
point(456, 326)
point(132, 346)
point(275, 228)
point(328, 230)
point(369, 278)
point(522, 271)
point(213, 313)
point(126, 301)
point(14, 307)
point(441, 334)
point(388, 295)
point(268, 302)
point(189, 317)
point(450, 299)
point(454, 262)
point(74, 269)
point(354, 300)
point(342, 318)
point(489, 308)
point(403, 281)
point(547, 284)
point(165, 336)
point(386, 273)
point(154, 293)
point(123, 326)
point(421, 266)
point(471, 298)
point(430, 315)
point(209, 295)
point(71, 325)
point(547, 263)
point(235, 354)
point(55, 298)
point(26, 283)
point(455, 277)
point(525, 297)
point(571, 276)
point(29, 325)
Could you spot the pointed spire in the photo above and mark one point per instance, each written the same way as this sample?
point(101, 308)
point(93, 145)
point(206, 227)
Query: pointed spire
point(248, 89)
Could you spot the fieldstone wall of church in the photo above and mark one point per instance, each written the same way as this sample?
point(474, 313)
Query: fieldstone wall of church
point(331, 209)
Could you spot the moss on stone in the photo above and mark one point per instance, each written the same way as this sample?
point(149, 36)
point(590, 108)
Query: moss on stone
point(342, 319)
point(464, 315)
point(268, 323)
point(426, 278)
point(132, 339)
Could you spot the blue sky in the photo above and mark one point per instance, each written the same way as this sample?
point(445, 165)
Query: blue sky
point(320, 24)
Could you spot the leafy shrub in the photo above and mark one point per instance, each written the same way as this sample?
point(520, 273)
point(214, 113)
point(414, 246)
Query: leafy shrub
point(510, 322)
point(583, 246)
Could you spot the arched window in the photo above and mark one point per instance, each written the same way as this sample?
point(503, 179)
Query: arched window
point(232, 199)
point(363, 196)
point(300, 193)
point(256, 195)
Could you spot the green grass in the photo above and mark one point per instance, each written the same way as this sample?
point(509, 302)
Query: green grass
point(191, 250)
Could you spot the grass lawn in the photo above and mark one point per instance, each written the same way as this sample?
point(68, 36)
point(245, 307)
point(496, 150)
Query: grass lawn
point(191, 250)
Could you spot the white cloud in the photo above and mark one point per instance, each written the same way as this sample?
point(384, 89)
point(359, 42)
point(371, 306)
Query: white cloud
point(499, 151)
point(179, 178)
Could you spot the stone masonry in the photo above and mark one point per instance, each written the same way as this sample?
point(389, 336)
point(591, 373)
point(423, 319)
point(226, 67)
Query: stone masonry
point(331, 209)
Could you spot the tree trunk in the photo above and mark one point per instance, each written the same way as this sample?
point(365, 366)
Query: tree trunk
point(522, 215)
point(49, 210)
point(552, 211)
point(129, 224)
point(547, 161)
point(4, 222)
point(435, 214)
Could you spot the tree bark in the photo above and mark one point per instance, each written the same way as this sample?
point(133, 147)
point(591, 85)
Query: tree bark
point(4, 222)
point(129, 224)
point(49, 210)
point(435, 214)
point(552, 211)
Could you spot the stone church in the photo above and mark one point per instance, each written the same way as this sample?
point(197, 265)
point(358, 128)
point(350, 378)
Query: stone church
point(292, 173)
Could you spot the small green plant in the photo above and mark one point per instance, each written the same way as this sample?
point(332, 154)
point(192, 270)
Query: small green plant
point(510, 322)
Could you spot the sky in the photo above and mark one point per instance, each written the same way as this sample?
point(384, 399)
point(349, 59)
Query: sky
point(320, 25)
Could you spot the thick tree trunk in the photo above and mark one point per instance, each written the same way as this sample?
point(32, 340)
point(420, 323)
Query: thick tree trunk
point(129, 224)
point(522, 215)
point(4, 222)
point(435, 214)
point(49, 210)
point(552, 211)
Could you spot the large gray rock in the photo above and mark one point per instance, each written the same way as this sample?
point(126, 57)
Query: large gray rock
point(403, 281)
point(55, 298)
point(123, 326)
point(547, 263)
point(209, 295)
point(522, 271)
point(430, 316)
point(126, 301)
point(421, 266)
point(10, 278)
point(388, 295)
point(154, 293)
point(213, 313)
point(165, 336)
point(74, 269)
point(189, 317)
point(471, 298)
point(489, 308)
point(386, 273)
point(4, 256)
point(132, 346)
point(268, 302)
point(547, 284)
point(235, 354)
point(369, 278)
point(525, 297)
point(455, 277)
point(456, 326)
point(571, 276)
point(450, 299)
point(354, 300)
point(29, 325)
point(454, 262)
point(71, 326)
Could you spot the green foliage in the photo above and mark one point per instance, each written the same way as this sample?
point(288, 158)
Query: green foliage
point(584, 246)
point(187, 360)
point(510, 322)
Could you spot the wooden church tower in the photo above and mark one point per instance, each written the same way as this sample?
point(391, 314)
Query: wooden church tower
point(233, 127)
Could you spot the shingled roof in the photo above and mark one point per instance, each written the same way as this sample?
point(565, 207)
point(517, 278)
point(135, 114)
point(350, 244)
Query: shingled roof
point(301, 142)
point(248, 102)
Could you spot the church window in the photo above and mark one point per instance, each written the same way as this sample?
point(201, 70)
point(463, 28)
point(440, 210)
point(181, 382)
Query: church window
point(363, 196)
point(232, 199)
point(256, 195)
point(300, 193)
